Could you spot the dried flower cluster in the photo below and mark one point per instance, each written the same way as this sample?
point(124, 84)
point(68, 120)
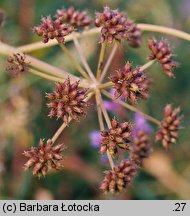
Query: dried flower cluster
point(73, 17)
point(17, 64)
point(162, 52)
point(141, 147)
point(118, 136)
point(116, 26)
point(67, 101)
point(130, 83)
point(50, 29)
point(169, 126)
point(119, 178)
point(44, 158)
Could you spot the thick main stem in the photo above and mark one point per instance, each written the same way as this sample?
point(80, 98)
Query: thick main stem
point(101, 123)
point(83, 59)
point(101, 59)
point(132, 108)
point(163, 29)
point(8, 50)
point(74, 62)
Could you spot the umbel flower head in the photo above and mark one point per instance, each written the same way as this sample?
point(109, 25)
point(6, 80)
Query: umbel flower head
point(17, 64)
point(120, 177)
point(130, 83)
point(162, 52)
point(67, 101)
point(169, 126)
point(141, 147)
point(116, 26)
point(118, 136)
point(73, 17)
point(50, 29)
point(44, 158)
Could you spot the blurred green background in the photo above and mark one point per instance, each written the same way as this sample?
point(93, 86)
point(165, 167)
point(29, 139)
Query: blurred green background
point(23, 110)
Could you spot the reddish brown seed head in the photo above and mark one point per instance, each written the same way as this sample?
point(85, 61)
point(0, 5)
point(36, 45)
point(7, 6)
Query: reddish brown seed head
point(116, 26)
point(73, 17)
point(68, 100)
point(141, 147)
point(16, 64)
point(130, 83)
point(118, 136)
point(44, 158)
point(50, 29)
point(163, 53)
point(169, 126)
point(120, 177)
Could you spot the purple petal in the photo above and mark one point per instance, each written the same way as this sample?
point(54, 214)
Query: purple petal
point(95, 138)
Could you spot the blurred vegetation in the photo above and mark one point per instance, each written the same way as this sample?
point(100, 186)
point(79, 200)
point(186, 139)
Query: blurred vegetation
point(23, 108)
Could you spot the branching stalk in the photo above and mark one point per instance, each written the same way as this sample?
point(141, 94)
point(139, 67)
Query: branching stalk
point(74, 62)
point(132, 108)
point(46, 76)
point(101, 59)
point(106, 67)
point(99, 111)
point(83, 59)
point(59, 131)
point(148, 64)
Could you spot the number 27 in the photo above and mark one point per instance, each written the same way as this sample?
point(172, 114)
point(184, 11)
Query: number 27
point(180, 206)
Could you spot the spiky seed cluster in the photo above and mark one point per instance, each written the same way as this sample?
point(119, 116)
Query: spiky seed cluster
point(44, 158)
point(130, 83)
point(169, 126)
point(119, 178)
point(17, 64)
point(141, 147)
point(50, 29)
point(117, 136)
point(134, 36)
point(115, 26)
point(162, 52)
point(67, 101)
point(73, 17)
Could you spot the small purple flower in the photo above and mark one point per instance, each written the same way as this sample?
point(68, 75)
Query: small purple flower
point(104, 159)
point(111, 105)
point(95, 138)
point(141, 124)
